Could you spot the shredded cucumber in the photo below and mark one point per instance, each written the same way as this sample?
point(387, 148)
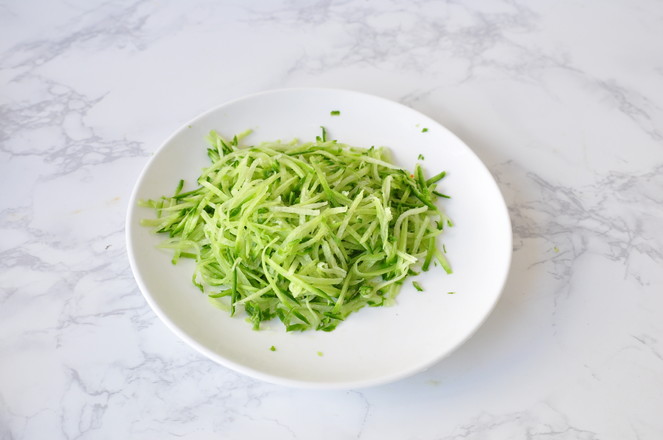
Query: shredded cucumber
point(306, 232)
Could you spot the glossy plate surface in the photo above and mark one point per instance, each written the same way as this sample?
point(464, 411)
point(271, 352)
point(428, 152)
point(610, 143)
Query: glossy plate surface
point(375, 345)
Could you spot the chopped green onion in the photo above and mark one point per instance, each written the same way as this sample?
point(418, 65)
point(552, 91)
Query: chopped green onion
point(272, 348)
point(420, 157)
point(308, 233)
point(424, 130)
point(335, 113)
point(417, 286)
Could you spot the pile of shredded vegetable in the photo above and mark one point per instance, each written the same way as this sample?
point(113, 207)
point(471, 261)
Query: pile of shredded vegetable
point(306, 232)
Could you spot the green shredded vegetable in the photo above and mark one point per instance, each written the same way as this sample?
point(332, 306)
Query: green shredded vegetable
point(417, 286)
point(304, 232)
point(335, 113)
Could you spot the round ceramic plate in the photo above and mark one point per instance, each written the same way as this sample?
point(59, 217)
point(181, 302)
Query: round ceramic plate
point(375, 345)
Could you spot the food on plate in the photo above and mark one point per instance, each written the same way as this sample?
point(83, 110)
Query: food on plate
point(304, 232)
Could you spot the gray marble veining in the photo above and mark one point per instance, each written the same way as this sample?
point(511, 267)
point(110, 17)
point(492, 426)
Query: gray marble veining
point(563, 102)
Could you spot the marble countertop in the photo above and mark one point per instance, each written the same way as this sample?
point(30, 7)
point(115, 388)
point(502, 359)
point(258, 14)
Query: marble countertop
point(563, 101)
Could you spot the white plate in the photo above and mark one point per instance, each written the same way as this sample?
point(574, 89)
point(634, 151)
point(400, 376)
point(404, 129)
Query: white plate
point(375, 345)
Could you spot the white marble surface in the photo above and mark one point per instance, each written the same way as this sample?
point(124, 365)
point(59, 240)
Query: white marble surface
point(562, 100)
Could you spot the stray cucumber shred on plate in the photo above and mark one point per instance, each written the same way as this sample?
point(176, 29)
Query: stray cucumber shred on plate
point(306, 232)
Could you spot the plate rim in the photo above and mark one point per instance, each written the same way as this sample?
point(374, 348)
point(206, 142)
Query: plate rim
point(279, 380)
